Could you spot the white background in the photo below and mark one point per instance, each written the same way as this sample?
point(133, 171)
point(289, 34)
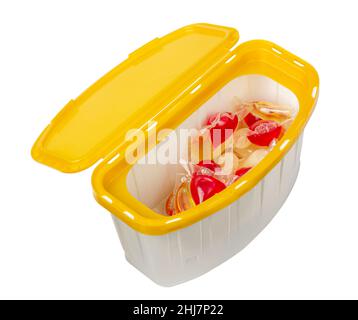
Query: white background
point(57, 242)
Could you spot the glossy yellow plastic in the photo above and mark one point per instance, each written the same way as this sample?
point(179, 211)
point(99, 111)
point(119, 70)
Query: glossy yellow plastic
point(92, 125)
point(169, 104)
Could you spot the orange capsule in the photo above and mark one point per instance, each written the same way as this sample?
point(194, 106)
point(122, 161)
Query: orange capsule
point(183, 198)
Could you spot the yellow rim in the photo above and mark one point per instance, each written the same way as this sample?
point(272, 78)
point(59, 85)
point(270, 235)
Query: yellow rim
point(253, 57)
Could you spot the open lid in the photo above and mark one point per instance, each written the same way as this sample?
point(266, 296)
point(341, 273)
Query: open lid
point(90, 127)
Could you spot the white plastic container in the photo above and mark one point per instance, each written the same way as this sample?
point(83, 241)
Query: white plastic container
point(175, 82)
point(187, 253)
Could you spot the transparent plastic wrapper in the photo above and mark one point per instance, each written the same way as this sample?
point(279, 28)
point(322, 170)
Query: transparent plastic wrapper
point(225, 148)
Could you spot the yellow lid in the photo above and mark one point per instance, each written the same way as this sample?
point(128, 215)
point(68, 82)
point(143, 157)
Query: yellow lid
point(89, 127)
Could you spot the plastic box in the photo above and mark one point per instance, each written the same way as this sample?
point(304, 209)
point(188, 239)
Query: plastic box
point(175, 82)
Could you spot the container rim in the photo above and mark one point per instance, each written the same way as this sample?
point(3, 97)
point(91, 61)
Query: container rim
point(254, 57)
